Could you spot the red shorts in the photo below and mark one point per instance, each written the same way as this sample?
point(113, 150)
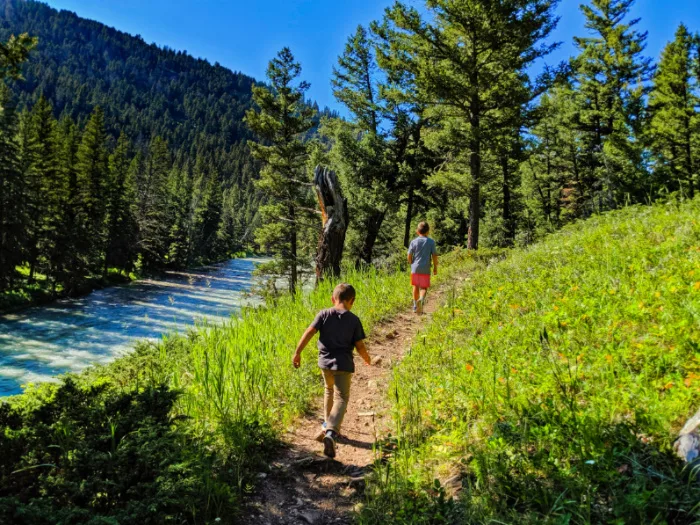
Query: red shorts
point(421, 280)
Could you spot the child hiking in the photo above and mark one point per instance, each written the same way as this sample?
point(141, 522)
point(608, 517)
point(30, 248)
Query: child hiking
point(340, 333)
point(421, 253)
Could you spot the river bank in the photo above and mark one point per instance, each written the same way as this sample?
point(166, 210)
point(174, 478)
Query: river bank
point(41, 293)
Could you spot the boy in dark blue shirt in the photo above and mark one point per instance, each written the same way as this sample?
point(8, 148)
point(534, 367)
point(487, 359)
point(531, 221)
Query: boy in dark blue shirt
point(341, 332)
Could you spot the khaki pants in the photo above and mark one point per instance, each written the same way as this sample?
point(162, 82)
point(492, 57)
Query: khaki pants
point(335, 401)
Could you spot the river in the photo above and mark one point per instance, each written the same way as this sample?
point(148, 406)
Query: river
point(39, 343)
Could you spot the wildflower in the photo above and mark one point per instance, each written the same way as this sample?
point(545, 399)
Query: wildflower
point(556, 308)
point(513, 370)
point(574, 288)
point(501, 380)
point(696, 286)
point(669, 385)
point(563, 323)
point(657, 294)
point(469, 367)
point(609, 358)
point(687, 382)
point(514, 306)
point(612, 292)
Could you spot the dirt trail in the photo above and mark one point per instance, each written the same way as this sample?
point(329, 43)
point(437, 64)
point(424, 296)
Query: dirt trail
point(303, 486)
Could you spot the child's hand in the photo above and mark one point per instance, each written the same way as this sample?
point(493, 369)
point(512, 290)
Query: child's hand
point(296, 361)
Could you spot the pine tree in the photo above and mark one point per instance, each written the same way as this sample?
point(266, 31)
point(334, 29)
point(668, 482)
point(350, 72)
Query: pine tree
point(121, 232)
point(361, 149)
point(11, 213)
point(468, 58)
point(181, 197)
point(153, 216)
point(610, 74)
point(675, 124)
point(73, 241)
point(14, 53)
point(39, 152)
point(280, 123)
point(93, 174)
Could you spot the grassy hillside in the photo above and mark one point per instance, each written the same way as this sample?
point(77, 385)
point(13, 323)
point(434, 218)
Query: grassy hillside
point(551, 389)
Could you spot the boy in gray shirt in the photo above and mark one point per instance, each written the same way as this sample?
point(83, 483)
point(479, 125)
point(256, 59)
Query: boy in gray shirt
point(421, 253)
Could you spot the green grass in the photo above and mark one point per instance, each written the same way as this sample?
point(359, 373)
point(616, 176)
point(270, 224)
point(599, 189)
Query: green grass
point(555, 383)
point(176, 431)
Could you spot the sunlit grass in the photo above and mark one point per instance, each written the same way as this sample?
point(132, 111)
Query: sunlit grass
point(556, 382)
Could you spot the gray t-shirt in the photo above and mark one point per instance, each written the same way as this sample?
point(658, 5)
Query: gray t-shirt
point(339, 330)
point(422, 249)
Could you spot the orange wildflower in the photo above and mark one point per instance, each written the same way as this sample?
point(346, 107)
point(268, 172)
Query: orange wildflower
point(469, 367)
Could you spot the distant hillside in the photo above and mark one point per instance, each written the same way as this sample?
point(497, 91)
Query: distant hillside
point(143, 89)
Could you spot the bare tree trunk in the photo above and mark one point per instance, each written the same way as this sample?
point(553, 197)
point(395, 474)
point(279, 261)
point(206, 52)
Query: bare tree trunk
point(409, 218)
point(334, 213)
point(508, 222)
point(293, 251)
point(372, 227)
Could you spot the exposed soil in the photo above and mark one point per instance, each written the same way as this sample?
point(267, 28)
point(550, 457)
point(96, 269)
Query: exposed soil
point(305, 487)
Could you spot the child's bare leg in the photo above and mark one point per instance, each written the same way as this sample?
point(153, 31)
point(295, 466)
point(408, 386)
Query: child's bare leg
point(423, 291)
point(416, 293)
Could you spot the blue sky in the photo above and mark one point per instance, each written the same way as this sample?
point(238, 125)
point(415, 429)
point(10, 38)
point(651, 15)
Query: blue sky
point(244, 35)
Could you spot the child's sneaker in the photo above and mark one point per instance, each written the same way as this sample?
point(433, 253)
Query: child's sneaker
point(419, 308)
point(329, 444)
point(415, 306)
point(321, 433)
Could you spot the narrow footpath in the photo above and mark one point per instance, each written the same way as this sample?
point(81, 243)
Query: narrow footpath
point(303, 486)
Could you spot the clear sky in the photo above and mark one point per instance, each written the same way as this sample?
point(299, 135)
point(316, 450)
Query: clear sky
point(244, 34)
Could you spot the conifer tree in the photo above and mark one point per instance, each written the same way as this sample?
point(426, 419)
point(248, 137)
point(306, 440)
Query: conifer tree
point(468, 58)
point(93, 174)
point(153, 204)
point(675, 123)
point(11, 191)
point(610, 74)
point(72, 239)
point(181, 198)
point(281, 122)
point(121, 233)
point(43, 192)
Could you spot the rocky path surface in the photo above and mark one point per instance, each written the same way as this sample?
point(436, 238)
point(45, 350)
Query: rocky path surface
point(303, 486)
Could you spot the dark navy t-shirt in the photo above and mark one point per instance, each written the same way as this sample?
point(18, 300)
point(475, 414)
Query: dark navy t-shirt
point(339, 330)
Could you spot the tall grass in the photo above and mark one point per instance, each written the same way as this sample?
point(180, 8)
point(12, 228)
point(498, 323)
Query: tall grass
point(554, 385)
point(242, 369)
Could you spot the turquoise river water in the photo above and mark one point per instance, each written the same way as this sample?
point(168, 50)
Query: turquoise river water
point(40, 343)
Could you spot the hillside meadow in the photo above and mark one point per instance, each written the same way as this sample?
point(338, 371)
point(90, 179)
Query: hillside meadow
point(551, 389)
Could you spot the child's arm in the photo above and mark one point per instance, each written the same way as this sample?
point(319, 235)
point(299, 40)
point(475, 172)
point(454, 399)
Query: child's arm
point(435, 263)
point(362, 350)
point(310, 332)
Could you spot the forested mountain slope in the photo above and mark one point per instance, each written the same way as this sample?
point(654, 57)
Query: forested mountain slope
point(142, 88)
point(141, 149)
